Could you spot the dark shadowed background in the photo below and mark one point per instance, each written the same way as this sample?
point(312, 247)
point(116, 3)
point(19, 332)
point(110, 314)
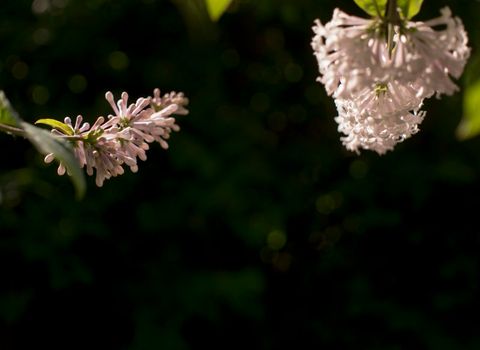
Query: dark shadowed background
point(256, 229)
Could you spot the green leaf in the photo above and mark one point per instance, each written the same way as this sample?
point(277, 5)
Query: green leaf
point(409, 8)
point(67, 130)
point(470, 124)
point(8, 115)
point(375, 8)
point(46, 143)
point(216, 8)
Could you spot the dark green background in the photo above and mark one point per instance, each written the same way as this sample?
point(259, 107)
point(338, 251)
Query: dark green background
point(256, 229)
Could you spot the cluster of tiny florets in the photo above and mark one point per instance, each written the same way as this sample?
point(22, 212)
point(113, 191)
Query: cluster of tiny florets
point(379, 88)
point(124, 136)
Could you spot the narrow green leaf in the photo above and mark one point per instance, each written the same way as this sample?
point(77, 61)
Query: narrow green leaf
point(470, 124)
point(409, 8)
point(216, 8)
point(46, 143)
point(375, 8)
point(8, 115)
point(56, 125)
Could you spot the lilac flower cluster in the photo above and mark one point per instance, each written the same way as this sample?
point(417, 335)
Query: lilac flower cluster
point(379, 86)
point(124, 136)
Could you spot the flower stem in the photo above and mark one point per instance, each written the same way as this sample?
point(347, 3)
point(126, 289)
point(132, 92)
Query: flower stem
point(392, 14)
point(392, 19)
point(12, 130)
point(377, 8)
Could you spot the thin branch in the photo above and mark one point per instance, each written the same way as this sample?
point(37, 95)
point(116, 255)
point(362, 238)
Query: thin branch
point(393, 19)
point(392, 14)
point(73, 138)
point(12, 130)
point(377, 8)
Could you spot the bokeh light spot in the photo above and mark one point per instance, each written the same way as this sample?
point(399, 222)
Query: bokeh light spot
point(276, 240)
point(327, 203)
point(260, 102)
point(40, 6)
point(274, 38)
point(40, 94)
point(282, 261)
point(277, 121)
point(118, 60)
point(41, 36)
point(358, 169)
point(77, 83)
point(20, 70)
point(60, 3)
point(293, 73)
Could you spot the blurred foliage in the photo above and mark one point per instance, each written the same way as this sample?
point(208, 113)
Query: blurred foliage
point(43, 140)
point(376, 8)
point(216, 8)
point(470, 124)
point(373, 7)
point(8, 116)
point(410, 8)
point(256, 229)
point(46, 143)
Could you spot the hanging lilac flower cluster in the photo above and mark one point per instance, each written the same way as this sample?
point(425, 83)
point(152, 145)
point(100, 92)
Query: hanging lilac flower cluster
point(124, 136)
point(379, 77)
